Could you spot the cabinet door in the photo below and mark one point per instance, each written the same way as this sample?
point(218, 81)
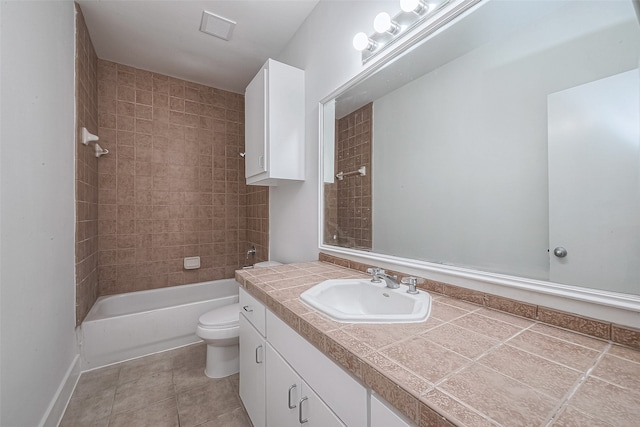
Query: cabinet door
point(290, 401)
point(283, 395)
point(252, 372)
point(384, 416)
point(256, 125)
point(314, 413)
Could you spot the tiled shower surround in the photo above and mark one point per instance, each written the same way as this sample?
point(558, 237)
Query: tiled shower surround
point(172, 185)
point(348, 201)
point(86, 172)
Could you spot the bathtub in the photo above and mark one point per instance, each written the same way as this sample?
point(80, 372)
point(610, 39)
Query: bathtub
point(126, 326)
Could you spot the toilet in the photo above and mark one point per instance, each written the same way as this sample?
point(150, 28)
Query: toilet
point(219, 329)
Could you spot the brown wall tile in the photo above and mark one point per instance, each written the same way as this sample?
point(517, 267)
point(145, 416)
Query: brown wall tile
point(173, 183)
point(87, 170)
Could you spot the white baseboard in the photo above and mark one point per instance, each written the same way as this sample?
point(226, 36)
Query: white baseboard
point(56, 408)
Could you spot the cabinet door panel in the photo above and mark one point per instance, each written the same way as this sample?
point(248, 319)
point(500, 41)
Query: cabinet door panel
point(252, 372)
point(255, 125)
point(283, 394)
point(383, 416)
point(315, 412)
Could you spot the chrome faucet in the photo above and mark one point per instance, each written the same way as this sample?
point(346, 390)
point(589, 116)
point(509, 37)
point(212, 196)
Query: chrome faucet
point(378, 275)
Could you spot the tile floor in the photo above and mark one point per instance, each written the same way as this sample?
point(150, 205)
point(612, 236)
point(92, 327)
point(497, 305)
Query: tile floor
point(167, 389)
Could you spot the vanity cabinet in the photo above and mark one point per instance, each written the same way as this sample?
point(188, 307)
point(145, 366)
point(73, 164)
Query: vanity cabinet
point(383, 415)
point(274, 125)
point(290, 400)
point(252, 358)
point(285, 381)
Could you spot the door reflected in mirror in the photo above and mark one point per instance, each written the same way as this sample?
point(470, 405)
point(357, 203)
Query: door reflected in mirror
point(513, 131)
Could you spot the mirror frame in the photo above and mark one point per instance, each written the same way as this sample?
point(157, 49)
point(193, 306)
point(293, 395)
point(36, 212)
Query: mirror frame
point(594, 303)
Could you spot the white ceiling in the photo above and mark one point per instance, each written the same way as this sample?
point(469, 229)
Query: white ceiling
point(165, 36)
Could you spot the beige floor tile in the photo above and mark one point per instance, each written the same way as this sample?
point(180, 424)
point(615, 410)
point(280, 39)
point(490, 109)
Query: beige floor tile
point(193, 356)
point(144, 366)
point(571, 417)
point(501, 398)
point(463, 341)
point(89, 410)
point(417, 355)
point(608, 403)
point(199, 405)
point(490, 327)
point(97, 380)
point(236, 418)
point(161, 414)
point(186, 378)
point(445, 403)
point(542, 375)
point(560, 351)
point(618, 371)
point(143, 392)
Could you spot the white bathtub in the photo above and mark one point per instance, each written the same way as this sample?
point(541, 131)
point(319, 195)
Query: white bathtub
point(125, 326)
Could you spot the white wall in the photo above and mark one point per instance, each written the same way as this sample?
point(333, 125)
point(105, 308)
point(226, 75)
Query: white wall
point(323, 48)
point(38, 345)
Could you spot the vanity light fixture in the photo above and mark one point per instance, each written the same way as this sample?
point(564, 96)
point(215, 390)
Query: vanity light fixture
point(388, 29)
point(415, 6)
point(361, 42)
point(384, 24)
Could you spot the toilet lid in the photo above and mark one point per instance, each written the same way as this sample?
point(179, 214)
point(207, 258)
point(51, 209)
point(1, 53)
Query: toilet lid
point(222, 317)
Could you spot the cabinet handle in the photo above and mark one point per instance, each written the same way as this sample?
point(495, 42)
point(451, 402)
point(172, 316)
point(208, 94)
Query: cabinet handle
point(300, 411)
point(258, 348)
point(291, 389)
point(247, 309)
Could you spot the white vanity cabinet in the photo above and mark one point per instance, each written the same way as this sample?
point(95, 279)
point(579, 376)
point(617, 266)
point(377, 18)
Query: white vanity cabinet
point(285, 381)
point(252, 357)
point(274, 125)
point(290, 400)
point(383, 415)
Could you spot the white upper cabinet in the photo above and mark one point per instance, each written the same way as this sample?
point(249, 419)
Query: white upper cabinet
point(274, 125)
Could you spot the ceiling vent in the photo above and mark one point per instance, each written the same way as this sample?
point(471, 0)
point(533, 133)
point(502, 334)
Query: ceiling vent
point(217, 25)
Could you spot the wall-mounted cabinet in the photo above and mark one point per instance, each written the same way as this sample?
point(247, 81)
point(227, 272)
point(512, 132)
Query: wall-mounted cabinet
point(274, 125)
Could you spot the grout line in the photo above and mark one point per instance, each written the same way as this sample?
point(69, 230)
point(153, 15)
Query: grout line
point(564, 402)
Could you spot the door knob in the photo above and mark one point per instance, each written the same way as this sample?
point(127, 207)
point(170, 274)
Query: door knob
point(560, 252)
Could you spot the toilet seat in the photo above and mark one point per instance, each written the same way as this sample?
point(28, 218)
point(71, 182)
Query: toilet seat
point(221, 318)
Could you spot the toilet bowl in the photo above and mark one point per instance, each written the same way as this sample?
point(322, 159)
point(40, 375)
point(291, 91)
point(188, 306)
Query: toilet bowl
point(220, 330)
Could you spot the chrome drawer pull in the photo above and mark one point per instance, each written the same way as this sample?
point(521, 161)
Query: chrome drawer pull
point(247, 309)
point(300, 411)
point(290, 389)
point(257, 350)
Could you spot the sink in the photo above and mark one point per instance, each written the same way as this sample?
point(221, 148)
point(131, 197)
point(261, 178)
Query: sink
point(361, 301)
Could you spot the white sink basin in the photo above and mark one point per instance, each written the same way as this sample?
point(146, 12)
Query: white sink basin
point(361, 301)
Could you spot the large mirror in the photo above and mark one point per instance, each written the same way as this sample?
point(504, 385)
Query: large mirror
point(506, 142)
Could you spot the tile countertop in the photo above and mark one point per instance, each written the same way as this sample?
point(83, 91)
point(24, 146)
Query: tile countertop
point(466, 365)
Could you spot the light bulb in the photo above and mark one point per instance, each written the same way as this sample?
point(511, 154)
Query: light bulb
point(383, 23)
point(361, 42)
point(412, 5)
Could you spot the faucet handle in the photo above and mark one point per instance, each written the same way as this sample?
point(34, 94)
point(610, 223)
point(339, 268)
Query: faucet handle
point(412, 282)
point(374, 271)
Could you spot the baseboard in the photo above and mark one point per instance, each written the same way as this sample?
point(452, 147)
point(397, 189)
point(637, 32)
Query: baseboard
point(56, 408)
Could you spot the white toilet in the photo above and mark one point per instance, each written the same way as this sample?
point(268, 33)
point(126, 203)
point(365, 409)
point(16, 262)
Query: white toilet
point(219, 328)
